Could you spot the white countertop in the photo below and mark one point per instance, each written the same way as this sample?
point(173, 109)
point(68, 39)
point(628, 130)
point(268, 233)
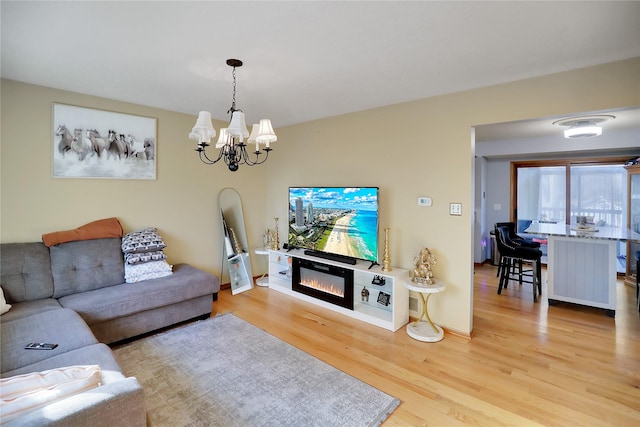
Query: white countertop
point(601, 233)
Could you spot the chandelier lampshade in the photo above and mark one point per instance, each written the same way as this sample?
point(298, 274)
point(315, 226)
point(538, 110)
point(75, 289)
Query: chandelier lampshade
point(254, 134)
point(223, 139)
point(231, 141)
point(203, 131)
point(266, 135)
point(237, 126)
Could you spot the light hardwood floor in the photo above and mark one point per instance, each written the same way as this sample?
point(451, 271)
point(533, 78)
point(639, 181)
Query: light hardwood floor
point(527, 364)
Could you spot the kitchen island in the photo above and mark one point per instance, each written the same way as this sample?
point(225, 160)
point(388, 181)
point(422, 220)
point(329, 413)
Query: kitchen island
point(581, 263)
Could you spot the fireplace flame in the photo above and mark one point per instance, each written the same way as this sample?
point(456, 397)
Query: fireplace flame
point(330, 289)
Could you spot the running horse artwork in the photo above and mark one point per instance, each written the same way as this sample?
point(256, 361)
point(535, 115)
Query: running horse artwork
point(92, 143)
point(141, 150)
point(149, 148)
point(117, 146)
point(136, 147)
point(98, 144)
point(66, 139)
point(80, 145)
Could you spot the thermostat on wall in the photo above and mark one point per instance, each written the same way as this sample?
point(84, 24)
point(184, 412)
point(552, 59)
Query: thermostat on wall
point(424, 201)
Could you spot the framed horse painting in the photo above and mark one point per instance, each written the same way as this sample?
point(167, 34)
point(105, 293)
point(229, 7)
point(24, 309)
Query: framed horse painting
point(90, 143)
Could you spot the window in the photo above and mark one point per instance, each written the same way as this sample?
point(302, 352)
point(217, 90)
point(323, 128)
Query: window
point(544, 190)
point(599, 191)
point(541, 194)
point(558, 191)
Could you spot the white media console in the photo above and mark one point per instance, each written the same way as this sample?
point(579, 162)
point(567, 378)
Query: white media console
point(387, 306)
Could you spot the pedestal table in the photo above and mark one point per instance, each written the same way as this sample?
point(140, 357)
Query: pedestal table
point(424, 329)
point(264, 279)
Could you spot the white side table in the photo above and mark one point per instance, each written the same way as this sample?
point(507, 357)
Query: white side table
point(264, 279)
point(424, 329)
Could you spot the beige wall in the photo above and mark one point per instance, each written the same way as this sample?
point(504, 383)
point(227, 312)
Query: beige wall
point(182, 202)
point(421, 148)
point(424, 148)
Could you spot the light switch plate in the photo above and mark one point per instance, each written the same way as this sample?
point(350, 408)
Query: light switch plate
point(455, 208)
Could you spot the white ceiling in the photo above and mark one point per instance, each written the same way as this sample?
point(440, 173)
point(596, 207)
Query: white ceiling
point(304, 60)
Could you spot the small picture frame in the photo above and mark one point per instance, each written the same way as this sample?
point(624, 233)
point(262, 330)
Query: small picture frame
point(384, 298)
point(240, 280)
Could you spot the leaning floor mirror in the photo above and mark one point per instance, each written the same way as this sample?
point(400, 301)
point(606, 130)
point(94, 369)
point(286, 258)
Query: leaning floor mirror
point(236, 247)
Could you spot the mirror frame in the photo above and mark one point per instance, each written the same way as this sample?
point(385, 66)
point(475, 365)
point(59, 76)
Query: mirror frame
point(235, 249)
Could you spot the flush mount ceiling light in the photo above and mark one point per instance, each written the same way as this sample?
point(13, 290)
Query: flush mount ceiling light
point(231, 140)
point(583, 127)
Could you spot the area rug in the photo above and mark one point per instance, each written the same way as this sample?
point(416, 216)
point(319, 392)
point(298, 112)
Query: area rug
point(224, 371)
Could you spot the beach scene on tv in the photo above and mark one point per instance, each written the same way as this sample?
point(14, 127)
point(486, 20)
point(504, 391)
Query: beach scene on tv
point(338, 220)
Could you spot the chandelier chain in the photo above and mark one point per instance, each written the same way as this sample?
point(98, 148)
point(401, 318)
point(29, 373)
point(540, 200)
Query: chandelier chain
point(233, 99)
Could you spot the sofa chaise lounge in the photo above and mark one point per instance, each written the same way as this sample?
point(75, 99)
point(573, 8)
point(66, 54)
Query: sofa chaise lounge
point(74, 295)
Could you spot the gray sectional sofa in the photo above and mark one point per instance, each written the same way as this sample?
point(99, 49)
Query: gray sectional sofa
point(74, 295)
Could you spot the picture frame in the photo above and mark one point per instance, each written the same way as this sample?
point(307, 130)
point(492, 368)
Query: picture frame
point(384, 298)
point(240, 280)
point(92, 143)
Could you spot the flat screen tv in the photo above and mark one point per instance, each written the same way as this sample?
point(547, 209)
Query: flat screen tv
point(341, 221)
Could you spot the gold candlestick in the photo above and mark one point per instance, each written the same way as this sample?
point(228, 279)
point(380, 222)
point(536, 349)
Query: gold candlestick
point(386, 262)
point(276, 242)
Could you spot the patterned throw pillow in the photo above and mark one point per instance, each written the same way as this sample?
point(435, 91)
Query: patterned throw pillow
point(141, 257)
point(146, 271)
point(146, 240)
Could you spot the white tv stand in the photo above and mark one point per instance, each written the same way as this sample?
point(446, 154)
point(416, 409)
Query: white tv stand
point(391, 317)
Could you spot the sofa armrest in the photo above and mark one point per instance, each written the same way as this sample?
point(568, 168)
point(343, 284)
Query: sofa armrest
point(120, 403)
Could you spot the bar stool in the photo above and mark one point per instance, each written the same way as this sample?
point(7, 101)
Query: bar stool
point(511, 254)
point(515, 238)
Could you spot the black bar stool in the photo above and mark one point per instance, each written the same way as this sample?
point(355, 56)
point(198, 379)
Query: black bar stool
point(512, 254)
point(515, 238)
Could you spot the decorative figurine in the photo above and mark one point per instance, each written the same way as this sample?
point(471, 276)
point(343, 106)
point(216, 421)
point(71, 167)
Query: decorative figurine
point(378, 280)
point(386, 262)
point(266, 239)
point(365, 294)
point(423, 268)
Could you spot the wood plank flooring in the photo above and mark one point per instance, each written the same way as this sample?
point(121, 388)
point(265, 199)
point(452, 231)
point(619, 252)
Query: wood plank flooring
point(527, 364)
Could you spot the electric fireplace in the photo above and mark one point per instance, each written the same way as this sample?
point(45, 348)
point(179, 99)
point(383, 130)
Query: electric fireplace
point(325, 282)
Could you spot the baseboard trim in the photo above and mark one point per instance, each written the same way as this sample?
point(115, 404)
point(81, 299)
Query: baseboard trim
point(228, 285)
point(449, 331)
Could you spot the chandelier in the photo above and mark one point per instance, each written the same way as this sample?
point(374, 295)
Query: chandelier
point(231, 141)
